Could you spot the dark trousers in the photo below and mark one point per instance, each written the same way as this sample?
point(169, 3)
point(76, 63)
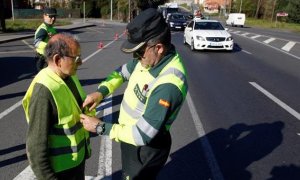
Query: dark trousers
point(76, 173)
point(145, 162)
point(40, 62)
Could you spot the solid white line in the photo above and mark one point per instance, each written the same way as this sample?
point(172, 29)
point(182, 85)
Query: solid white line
point(276, 100)
point(29, 45)
point(288, 46)
point(245, 34)
point(246, 52)
point(105, 154)
point(269, 40)
point(208, 152)
point(256, 36)
point(95, 30)
point(10, 109)
point(16, 52)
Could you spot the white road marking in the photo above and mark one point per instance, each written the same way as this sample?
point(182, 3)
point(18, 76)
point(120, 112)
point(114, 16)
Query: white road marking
point(288, 46)
point(246, 52)
point(269, 40)
point(208, 152)
point(92, 29)
point(29, 45)
point(276, 49)
point(105, 154)
point(256, 36)
point(10, 109)
point(26, 174)
point(276, 100)
point(16, 52)
point(245, 34)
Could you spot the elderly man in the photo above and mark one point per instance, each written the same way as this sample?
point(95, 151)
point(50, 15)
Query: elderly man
point(42, 35)
point(57, 144)
point(156, 89)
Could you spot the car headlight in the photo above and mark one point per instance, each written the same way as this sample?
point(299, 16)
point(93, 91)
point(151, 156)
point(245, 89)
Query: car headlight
point(171, 24)
point(200, 38)
point(229, 38)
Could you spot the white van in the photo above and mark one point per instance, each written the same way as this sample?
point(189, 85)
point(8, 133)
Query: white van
point(236, 19)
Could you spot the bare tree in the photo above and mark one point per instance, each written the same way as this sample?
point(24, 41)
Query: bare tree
point(257, 8)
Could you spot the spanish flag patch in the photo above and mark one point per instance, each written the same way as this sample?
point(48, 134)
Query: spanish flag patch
point(164, 103)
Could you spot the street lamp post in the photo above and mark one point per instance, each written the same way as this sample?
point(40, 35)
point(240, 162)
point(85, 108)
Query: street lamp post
point(12, 10)
point(129, 3)
point(83, 11)
point(111, 9)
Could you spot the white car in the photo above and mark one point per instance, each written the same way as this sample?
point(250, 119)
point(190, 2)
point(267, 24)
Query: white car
point(207, 34)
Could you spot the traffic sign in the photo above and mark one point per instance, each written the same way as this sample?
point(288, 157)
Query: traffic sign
point(282, 14)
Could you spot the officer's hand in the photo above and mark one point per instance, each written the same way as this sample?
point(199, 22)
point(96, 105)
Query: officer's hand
point(92, 100)
point(89, 123)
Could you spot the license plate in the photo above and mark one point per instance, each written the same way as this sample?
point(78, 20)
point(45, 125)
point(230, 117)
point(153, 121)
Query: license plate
point(177, 27)
point(215, 44)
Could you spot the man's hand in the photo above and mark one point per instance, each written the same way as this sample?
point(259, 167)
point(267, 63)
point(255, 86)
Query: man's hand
point(89, 123)
point(92, 100)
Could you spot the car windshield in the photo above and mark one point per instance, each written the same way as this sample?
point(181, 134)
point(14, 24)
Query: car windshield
point(177, 16)
point(208, 26)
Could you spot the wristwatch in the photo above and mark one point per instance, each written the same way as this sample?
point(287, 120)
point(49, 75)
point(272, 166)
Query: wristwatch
point(100, 128)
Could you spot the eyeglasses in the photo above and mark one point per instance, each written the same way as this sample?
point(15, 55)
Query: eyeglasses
point(140, 52)
point(76, 59)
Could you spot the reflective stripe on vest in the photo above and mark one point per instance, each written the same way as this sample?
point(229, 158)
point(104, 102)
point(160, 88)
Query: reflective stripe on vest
point(67, 139)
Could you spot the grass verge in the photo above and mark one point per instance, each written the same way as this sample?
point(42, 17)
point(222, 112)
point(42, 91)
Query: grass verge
point(30, 24)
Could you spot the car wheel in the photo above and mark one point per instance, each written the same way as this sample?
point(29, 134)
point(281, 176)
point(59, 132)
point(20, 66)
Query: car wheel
point(192, 45)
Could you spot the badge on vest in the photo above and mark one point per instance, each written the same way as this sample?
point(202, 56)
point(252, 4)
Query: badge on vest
point(141, 94)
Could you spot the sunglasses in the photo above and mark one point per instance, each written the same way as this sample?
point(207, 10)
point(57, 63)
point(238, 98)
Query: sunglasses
point(52, 16)
point(140, 52)
point(76, 59)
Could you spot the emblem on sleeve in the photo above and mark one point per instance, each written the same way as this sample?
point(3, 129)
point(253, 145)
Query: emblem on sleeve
point(164, 103)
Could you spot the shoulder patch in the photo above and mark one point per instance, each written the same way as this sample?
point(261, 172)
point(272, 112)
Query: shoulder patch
point(164, 103)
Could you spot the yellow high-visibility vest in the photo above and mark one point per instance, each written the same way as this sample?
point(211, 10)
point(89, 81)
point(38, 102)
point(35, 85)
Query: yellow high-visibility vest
point(67, 139)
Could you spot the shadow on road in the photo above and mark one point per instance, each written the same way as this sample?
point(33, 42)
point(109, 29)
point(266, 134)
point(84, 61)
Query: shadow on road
point(15, 159)
point(15, 69)
point(234, 149)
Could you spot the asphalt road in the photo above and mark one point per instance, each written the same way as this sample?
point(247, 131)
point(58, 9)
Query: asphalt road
point(240, 119)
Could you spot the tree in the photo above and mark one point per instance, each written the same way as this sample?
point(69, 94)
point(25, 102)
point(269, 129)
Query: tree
point(293, 9)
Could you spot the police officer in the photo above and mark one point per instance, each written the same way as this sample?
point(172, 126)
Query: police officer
point(42, 35)
point(156, 89)
point(56, 143)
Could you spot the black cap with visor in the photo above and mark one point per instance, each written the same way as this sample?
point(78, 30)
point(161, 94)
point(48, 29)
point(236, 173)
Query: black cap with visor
point(148, 25)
